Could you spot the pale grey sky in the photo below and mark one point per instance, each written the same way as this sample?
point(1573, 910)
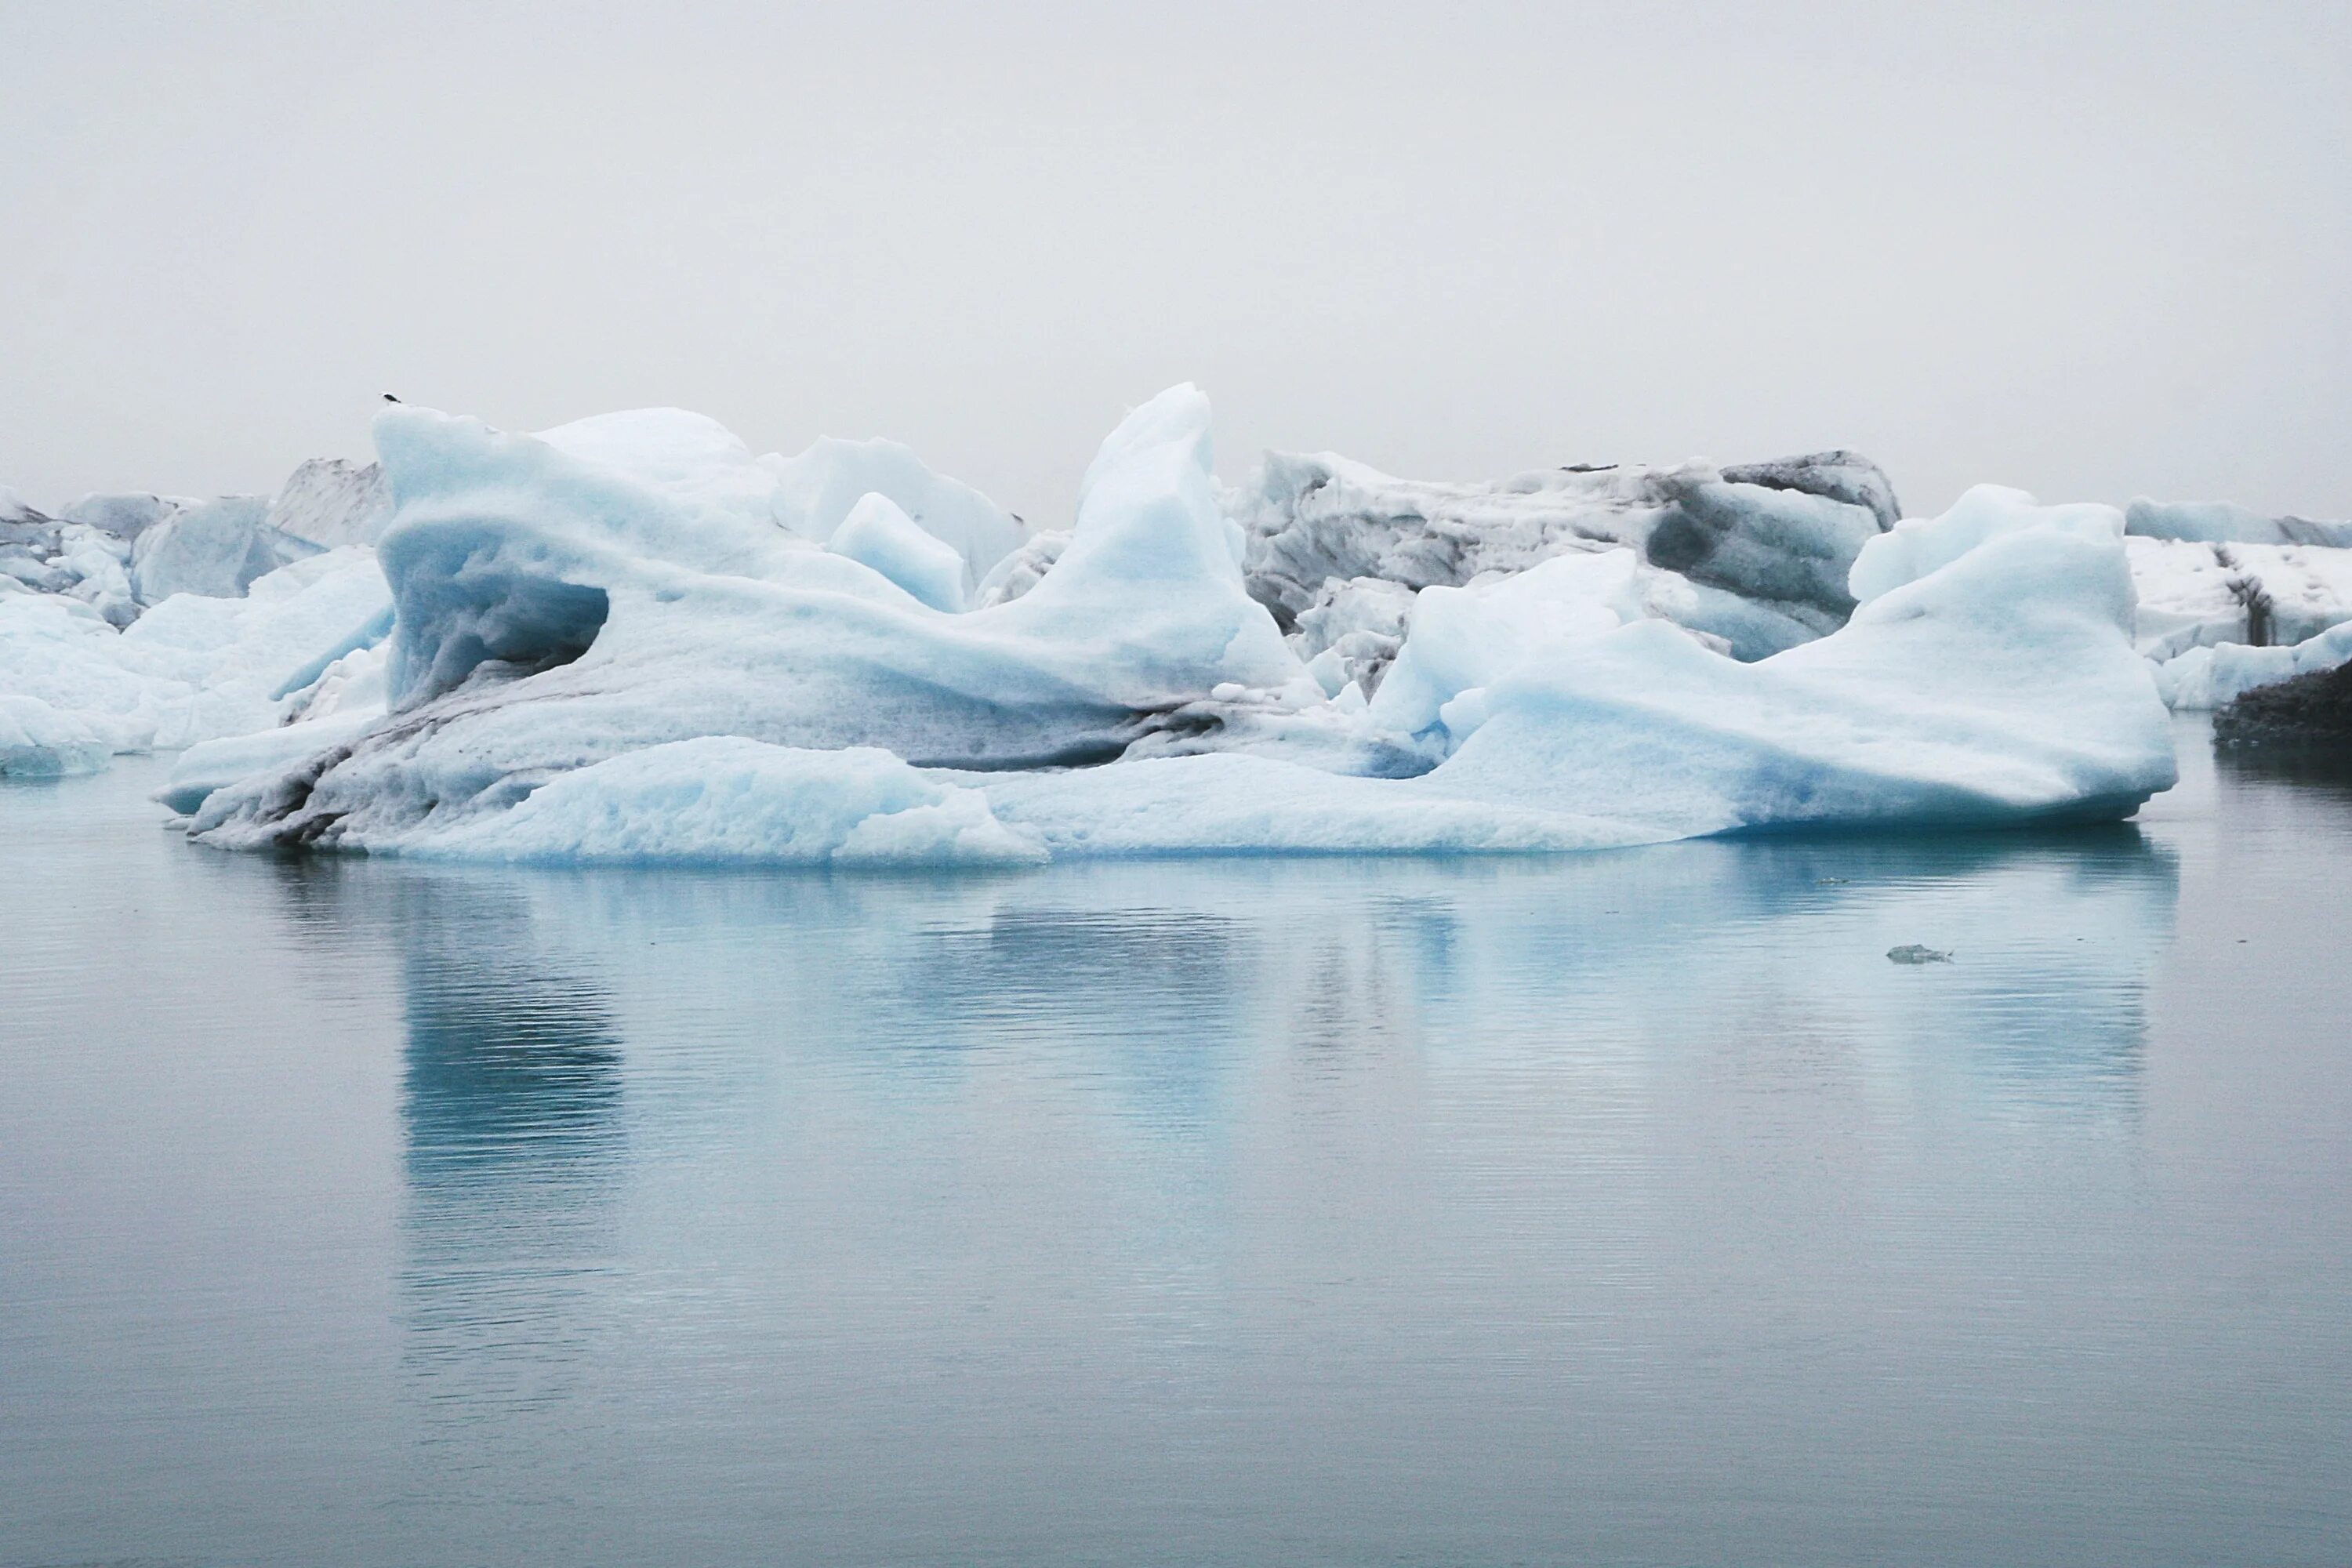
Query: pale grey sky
point(2091, 250)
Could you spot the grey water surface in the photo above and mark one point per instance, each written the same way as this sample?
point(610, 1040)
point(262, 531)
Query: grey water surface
point(1629, 1208)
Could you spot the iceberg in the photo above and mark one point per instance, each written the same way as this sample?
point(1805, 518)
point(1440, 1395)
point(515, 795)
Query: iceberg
point(2219, 522)
point(331, 502)
point(815, 492)
point(37, 740)
point(126, 516)
point(194, 667)
point(2198, 594)
point(2214, 677)
point(216, 548)
point(1754, 555)
point(879, 535)
point(630, 640)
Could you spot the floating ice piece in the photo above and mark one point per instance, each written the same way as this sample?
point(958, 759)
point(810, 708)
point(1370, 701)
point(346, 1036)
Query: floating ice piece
point(2219, 522)
point(1760, 561)
point(2211, 677)
point(726, 799)
point(194, 667)
point(331, 503)
point(215, 548)
point(605, 649)
point(1914, 952)
point(2198, 594)
point(1995, 685)
point(554, 611)
point(876, 533)
point(37, 740)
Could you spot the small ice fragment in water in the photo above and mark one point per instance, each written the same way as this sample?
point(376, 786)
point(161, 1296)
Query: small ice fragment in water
point(1914, 952)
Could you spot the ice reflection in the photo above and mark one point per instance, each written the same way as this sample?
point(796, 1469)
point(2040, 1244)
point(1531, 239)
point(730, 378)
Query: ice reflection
point(1164, 985)
point(510, 1101)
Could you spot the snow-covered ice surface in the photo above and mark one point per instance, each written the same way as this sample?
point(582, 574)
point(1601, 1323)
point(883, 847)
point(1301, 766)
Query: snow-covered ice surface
point(2194, 595)
point(630, 640)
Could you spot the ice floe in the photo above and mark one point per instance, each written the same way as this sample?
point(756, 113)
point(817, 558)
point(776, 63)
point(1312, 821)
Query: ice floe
point(630, 640)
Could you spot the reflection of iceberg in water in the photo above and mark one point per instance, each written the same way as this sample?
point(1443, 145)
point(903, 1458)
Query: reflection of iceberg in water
point(509, 1103)
point(1164, 984)
point(1178, 973)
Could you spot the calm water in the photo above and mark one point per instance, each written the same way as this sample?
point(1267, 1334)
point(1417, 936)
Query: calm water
point(1631, 1207)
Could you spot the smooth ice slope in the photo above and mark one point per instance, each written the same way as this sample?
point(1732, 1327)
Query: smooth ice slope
point(722, 799)
point(876, 533)
point(216, 548)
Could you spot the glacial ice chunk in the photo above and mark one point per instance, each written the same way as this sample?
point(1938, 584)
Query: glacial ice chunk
point(876, 533)
point(2193, 595)
point(2206, 677)
point(554, 611)
point(37, 740)
point(612, 647)
point(331, 503)
point(722, 798)
point(215, 548)
point(2221, 523)
point(816, 490)
point(1760, 562)
point(1465, 639)
point(125, 516)
point(194, 667)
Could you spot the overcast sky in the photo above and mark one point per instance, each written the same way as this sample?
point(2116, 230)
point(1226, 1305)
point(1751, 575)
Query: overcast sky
point(2095, 251)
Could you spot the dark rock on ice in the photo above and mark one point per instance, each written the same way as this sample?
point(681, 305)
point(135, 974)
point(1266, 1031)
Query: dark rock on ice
point(2311, 711)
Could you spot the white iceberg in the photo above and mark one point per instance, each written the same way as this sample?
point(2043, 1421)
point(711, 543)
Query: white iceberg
point(629, 639)
point(37, 740)
point(879, 535)
point(722, 799)
point(2220, 522)
point(194, 667)
point(217, 549)
point(2208, 678)
point(2195, 595)
point(816, 491)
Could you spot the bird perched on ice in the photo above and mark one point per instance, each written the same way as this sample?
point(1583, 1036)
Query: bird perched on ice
point(388, 397)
